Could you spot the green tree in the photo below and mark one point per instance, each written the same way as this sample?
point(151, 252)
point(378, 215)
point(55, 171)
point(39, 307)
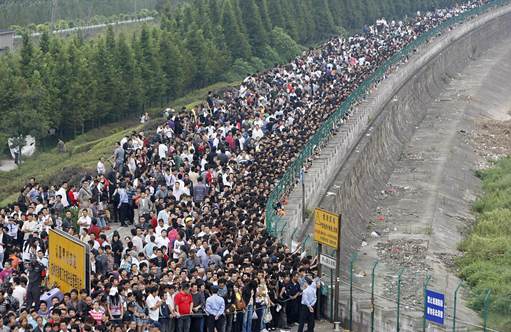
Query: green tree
point(172, 65)
point(44, 42)
point(208, 61)
point(265, 14)
point(107, 81)
point(22, 105)
point(131, 87)
point(254, 26)
point(150, 68)
point(38, 99)
point(323, 17)
point(237, 42)
point(284, 45)
point(26, 53)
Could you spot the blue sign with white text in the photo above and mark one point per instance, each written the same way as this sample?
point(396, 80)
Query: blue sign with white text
point(434, 307)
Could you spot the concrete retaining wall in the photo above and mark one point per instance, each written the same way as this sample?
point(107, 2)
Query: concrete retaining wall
point(359, 159)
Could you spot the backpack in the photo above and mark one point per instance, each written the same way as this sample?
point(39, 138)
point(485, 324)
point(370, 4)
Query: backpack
point(164, 311)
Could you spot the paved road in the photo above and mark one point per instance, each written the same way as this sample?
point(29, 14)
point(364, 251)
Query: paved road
point(321, 326)
point(92, 27)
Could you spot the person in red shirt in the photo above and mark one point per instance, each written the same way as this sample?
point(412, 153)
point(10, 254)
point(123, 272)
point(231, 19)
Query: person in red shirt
point(184, 304)
point(71, 196)
point(154, 220)
point(94, 228)
point(229, 139)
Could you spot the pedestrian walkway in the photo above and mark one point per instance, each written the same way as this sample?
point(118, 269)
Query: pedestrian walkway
point(321, 326)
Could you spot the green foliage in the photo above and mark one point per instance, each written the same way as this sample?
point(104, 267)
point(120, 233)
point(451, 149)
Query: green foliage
point(284, 45)
point(24, 100)
point(486, 263)
point(70, 12)
point(74, 85)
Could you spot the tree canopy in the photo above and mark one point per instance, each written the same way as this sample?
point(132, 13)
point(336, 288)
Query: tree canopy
point(73, 84)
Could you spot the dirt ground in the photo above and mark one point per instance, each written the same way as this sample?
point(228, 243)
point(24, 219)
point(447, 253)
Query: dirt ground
point(491, 140)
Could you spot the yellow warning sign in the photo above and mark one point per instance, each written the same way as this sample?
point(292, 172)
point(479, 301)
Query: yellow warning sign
point(68, 262)
point(327, 227)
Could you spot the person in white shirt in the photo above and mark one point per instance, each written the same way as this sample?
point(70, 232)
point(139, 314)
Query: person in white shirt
point(153, 303)
point(169, 300)
point(96, 244)
point(137, 241)
point(63, 193)
point(47, 221)
point(38, 207)
point(85, 220)
point(100, 167)
point(257, 132)
point(164, 215)
point(162, 150)
point(19, 291)
point(170, 179)
point(41, 258)
point(168, 132)
point(161, 226)
point(178, 243)
point(162, 240)
point(30, 225)
point(177, 192)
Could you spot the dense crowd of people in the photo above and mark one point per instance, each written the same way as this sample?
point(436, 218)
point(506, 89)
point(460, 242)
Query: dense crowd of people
point(192, 252)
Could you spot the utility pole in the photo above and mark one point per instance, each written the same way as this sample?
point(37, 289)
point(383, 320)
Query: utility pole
point(19, 141)
point(54, 5)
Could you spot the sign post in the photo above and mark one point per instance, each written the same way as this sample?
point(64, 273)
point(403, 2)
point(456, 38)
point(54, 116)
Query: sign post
point(337, 271)
point(330, 263)
point(327, 231)
point(302, 180)
point(320, 270)
point(434, 311)
point(68, 262)
point(327, 261)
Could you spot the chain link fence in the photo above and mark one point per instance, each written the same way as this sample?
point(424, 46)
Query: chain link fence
point(381, 302)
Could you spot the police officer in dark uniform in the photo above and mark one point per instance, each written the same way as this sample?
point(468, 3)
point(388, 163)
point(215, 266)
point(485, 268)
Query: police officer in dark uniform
point(35, 277)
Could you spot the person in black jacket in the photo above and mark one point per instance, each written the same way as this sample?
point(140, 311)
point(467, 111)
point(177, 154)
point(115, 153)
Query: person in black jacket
point(117, 248)
point(5, 245)
point(294, 292)
point(101, 262)
point(35, 277)
point(248, 295)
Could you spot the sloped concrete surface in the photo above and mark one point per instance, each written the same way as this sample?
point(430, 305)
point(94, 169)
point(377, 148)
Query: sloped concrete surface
point(408, 174)
point(424, 209)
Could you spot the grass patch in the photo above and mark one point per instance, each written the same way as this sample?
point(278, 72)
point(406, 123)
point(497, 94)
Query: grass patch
point(486, 263)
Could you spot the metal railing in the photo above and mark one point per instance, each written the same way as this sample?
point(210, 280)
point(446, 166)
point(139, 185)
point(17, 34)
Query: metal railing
point(390, 309)
point(321, 136)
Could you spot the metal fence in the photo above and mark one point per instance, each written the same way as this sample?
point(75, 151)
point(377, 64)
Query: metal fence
point(273, 221)
point(389, 301)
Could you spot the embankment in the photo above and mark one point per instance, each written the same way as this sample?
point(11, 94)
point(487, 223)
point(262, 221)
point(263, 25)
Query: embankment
point(360, 159)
